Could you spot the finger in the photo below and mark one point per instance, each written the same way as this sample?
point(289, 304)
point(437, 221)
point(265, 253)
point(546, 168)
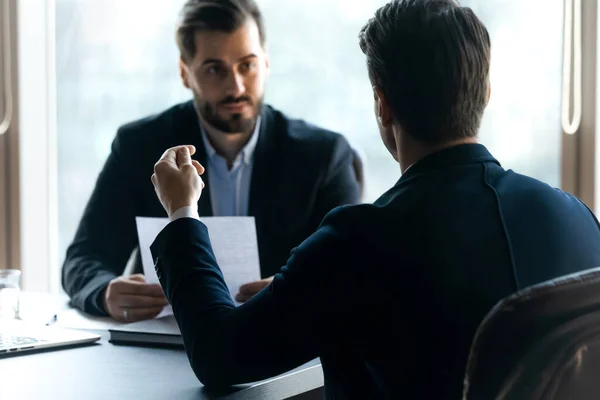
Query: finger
point(242, 298)
point(140, 314)
point(137, 278)
point(134, 302)
point(139, 289)
point(169, 156)
point(183, 156)
point(254, 287)
point(198, 166)
point(172, 151)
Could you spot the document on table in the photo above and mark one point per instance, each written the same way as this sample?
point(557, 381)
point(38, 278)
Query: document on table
point(234, 244)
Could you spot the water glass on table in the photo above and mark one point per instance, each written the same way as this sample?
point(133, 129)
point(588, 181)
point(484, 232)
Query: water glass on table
point(10, 287)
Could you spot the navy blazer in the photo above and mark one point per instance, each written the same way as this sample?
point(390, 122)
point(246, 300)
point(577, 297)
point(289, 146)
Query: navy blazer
point(388, 295)
point(300, 173)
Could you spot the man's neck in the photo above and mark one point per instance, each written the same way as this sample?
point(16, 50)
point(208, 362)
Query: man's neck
point(227, 145)
point(410, 151)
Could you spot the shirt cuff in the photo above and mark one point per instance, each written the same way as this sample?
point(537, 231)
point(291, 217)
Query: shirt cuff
point(185, 212)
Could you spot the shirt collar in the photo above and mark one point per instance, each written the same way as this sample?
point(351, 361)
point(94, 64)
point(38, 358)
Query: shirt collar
point(247, 151)
point(450, 157)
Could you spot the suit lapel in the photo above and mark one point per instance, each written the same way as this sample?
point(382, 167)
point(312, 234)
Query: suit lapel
point(191, 128)
point(204, 204)
point(264, 171)
point(267, 156)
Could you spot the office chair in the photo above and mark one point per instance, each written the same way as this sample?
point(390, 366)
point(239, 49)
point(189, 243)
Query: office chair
point(542, 343)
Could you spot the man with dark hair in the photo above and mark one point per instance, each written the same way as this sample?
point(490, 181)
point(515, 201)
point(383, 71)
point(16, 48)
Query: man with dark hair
point(388, 295)
point(211, 15)
point(256, 160)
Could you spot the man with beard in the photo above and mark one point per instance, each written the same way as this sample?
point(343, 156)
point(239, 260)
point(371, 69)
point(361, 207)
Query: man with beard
point(286, 173)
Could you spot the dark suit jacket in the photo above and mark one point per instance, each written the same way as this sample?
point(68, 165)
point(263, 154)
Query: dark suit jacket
point(389, 295)
point(300, 173)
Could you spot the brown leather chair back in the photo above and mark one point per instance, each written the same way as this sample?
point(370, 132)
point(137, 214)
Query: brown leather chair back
point(542, 343)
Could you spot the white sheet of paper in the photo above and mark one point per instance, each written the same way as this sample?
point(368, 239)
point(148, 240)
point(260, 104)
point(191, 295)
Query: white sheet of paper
point(233, 240)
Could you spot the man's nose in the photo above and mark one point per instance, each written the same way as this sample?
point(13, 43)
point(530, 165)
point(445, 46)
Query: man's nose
point(235, 85)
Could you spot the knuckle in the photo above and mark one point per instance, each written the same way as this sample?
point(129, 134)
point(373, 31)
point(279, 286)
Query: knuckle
point(111, 289)
point(158, 166)
point(110, 295)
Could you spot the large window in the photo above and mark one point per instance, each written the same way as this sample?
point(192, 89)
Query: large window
point(116, 61)
point(522, 125)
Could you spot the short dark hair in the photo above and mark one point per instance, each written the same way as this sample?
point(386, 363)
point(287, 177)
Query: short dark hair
point(431, 60)
point(214, 15)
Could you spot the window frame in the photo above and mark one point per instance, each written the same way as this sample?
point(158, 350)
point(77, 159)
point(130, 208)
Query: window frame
point(33, 176)
point(9, 168)
point(580, 172)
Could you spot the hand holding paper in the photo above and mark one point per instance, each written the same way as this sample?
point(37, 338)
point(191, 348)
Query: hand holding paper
point(249, 290)
point(130, 299)
point(178, 184)
point(234, 244)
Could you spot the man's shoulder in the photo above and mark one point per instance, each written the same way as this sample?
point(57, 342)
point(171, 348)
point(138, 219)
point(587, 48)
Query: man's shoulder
point(354, 219)
point(345, 224)
point(527, 188)
point(158, 125)
point(303, 132)
point(529, 201)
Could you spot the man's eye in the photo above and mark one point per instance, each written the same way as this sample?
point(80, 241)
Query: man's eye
point(214, 70)
point(248, 66)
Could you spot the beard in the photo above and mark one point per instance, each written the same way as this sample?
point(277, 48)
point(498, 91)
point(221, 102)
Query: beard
point(236, 123)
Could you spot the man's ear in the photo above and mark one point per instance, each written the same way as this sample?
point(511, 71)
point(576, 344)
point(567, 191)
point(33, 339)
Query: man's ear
point(489, 93)
point(184, 73)
point(267, 63)
point(382, 108)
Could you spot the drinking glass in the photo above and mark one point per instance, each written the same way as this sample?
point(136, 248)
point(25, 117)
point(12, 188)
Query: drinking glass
point(10, 286)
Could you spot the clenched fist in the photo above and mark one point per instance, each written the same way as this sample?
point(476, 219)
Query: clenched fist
point(177, 179)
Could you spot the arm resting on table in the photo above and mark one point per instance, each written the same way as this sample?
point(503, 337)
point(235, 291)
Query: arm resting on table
point(105, 238)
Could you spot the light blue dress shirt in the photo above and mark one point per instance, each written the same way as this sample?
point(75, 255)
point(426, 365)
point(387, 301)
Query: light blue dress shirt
point(230, 188)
